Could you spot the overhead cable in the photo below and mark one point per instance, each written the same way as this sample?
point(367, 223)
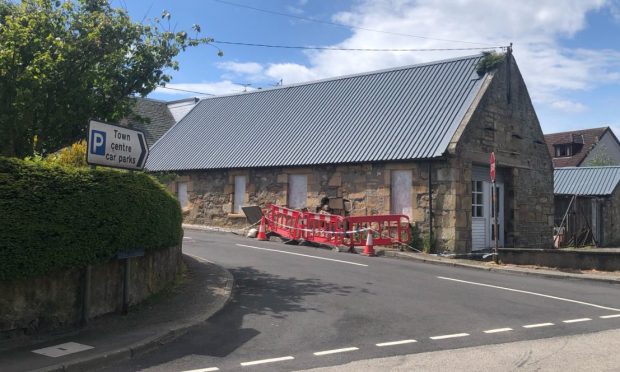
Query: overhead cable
point(342, 24)
point(353, 49)
point(185, 90)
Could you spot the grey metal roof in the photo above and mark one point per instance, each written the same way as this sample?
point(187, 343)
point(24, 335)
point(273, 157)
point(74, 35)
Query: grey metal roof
point(397, 114)
point(594, 181)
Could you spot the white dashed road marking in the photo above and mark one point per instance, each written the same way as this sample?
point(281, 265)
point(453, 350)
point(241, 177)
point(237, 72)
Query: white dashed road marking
point(530, 293)
point(610, 316)
point(498, 330)
point(62, 349)
point(392, 343)
point(576, 320)
point(335, 351)
point(303, 255)
point(538, 325)
point(443, 337)
point(272, 360)
point(73, 347)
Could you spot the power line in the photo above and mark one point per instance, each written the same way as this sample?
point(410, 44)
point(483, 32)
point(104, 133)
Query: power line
point(185, 90)
point(341, 24)
point(352, 49)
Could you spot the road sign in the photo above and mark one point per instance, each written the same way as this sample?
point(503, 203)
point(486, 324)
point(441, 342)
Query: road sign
point(115, 146)
point(492, 167)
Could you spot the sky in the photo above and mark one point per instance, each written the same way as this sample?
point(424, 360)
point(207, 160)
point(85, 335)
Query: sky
point(568, 51)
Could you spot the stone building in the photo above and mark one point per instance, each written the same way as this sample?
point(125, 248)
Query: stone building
point(379, 139)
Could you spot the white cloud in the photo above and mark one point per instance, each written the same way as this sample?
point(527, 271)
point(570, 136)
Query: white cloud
point(241, 68)
point(194, 89)
point(534, 26)
point(569, 106)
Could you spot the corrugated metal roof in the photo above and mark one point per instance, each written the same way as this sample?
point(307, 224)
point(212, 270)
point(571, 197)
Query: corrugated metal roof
point(398, 114)
point(595, 181)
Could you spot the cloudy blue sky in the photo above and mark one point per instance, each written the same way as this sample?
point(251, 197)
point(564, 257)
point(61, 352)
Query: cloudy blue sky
point(567, 50)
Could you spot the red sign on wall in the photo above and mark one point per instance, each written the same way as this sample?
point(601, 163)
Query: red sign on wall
point(492, 167)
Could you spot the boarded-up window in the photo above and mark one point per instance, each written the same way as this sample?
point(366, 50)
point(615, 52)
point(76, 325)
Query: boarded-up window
point(297, 190)
point(182, 194)
point(239, 196)
point(401, 192)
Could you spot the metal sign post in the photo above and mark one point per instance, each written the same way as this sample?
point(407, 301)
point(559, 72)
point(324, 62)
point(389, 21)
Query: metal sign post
point(494, 206)
point(115, 146)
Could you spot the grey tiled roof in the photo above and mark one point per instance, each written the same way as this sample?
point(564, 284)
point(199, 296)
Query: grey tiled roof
point(397, 114)
point(160, 119)
point(595, 181)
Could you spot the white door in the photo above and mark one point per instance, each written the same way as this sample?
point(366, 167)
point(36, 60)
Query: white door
point(479, 216)
point(401, 192)
point(482, 231)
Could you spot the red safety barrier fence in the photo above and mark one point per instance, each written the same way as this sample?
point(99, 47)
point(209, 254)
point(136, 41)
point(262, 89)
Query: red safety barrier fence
point(324, 228)
point(337, 230)
point(285, 222)
point(387, 229)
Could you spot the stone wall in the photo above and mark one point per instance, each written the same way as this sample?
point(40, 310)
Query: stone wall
point(55, 301)
point(566, 259)
point(504, 121)
point(367, 186)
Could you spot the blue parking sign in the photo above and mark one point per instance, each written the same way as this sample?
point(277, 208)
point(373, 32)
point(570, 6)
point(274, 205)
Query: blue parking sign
point(97, 142)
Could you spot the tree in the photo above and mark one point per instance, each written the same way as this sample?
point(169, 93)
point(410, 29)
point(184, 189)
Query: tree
point(63, 62)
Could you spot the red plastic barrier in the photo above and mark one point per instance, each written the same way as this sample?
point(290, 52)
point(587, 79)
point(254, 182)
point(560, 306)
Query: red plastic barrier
point(285, 222)
point(387, 229)
point(324, 228)
point(337, 230)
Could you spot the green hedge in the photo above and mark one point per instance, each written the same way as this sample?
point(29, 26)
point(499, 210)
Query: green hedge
point(54, 218)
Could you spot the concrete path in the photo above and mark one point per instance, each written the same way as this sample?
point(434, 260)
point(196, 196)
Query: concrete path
point(590, 352)
point(205, 290)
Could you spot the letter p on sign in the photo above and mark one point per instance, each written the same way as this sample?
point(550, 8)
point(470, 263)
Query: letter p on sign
point(97, 142)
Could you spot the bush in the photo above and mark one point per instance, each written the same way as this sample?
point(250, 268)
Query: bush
point(56, 218)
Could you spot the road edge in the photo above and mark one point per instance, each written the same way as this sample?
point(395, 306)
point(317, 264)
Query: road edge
point(136, 349)
point(518, 271)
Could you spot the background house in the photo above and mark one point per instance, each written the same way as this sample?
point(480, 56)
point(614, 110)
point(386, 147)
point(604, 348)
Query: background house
point(587, 205)
point(588, 147)
point(390, 141)
point(154, 117)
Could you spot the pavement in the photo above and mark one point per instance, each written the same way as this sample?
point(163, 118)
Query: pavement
point(206, 289)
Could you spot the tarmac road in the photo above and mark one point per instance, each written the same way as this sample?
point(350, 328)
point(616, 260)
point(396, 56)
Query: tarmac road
point(298, 307)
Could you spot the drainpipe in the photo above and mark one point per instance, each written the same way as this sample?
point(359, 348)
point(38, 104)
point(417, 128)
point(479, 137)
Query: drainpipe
point(430, 205)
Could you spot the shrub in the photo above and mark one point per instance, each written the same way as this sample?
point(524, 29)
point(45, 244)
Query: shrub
point(55, 218)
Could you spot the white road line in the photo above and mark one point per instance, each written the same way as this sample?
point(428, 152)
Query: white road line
point(610, 316)
point(392, 343)
point(530, 293)
point(210, 369)
point(443, 337)
point(576, 320)
point(272, 360)
point(304, 255)
point(538, 325)
point(335, 351)
point(498, 330)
